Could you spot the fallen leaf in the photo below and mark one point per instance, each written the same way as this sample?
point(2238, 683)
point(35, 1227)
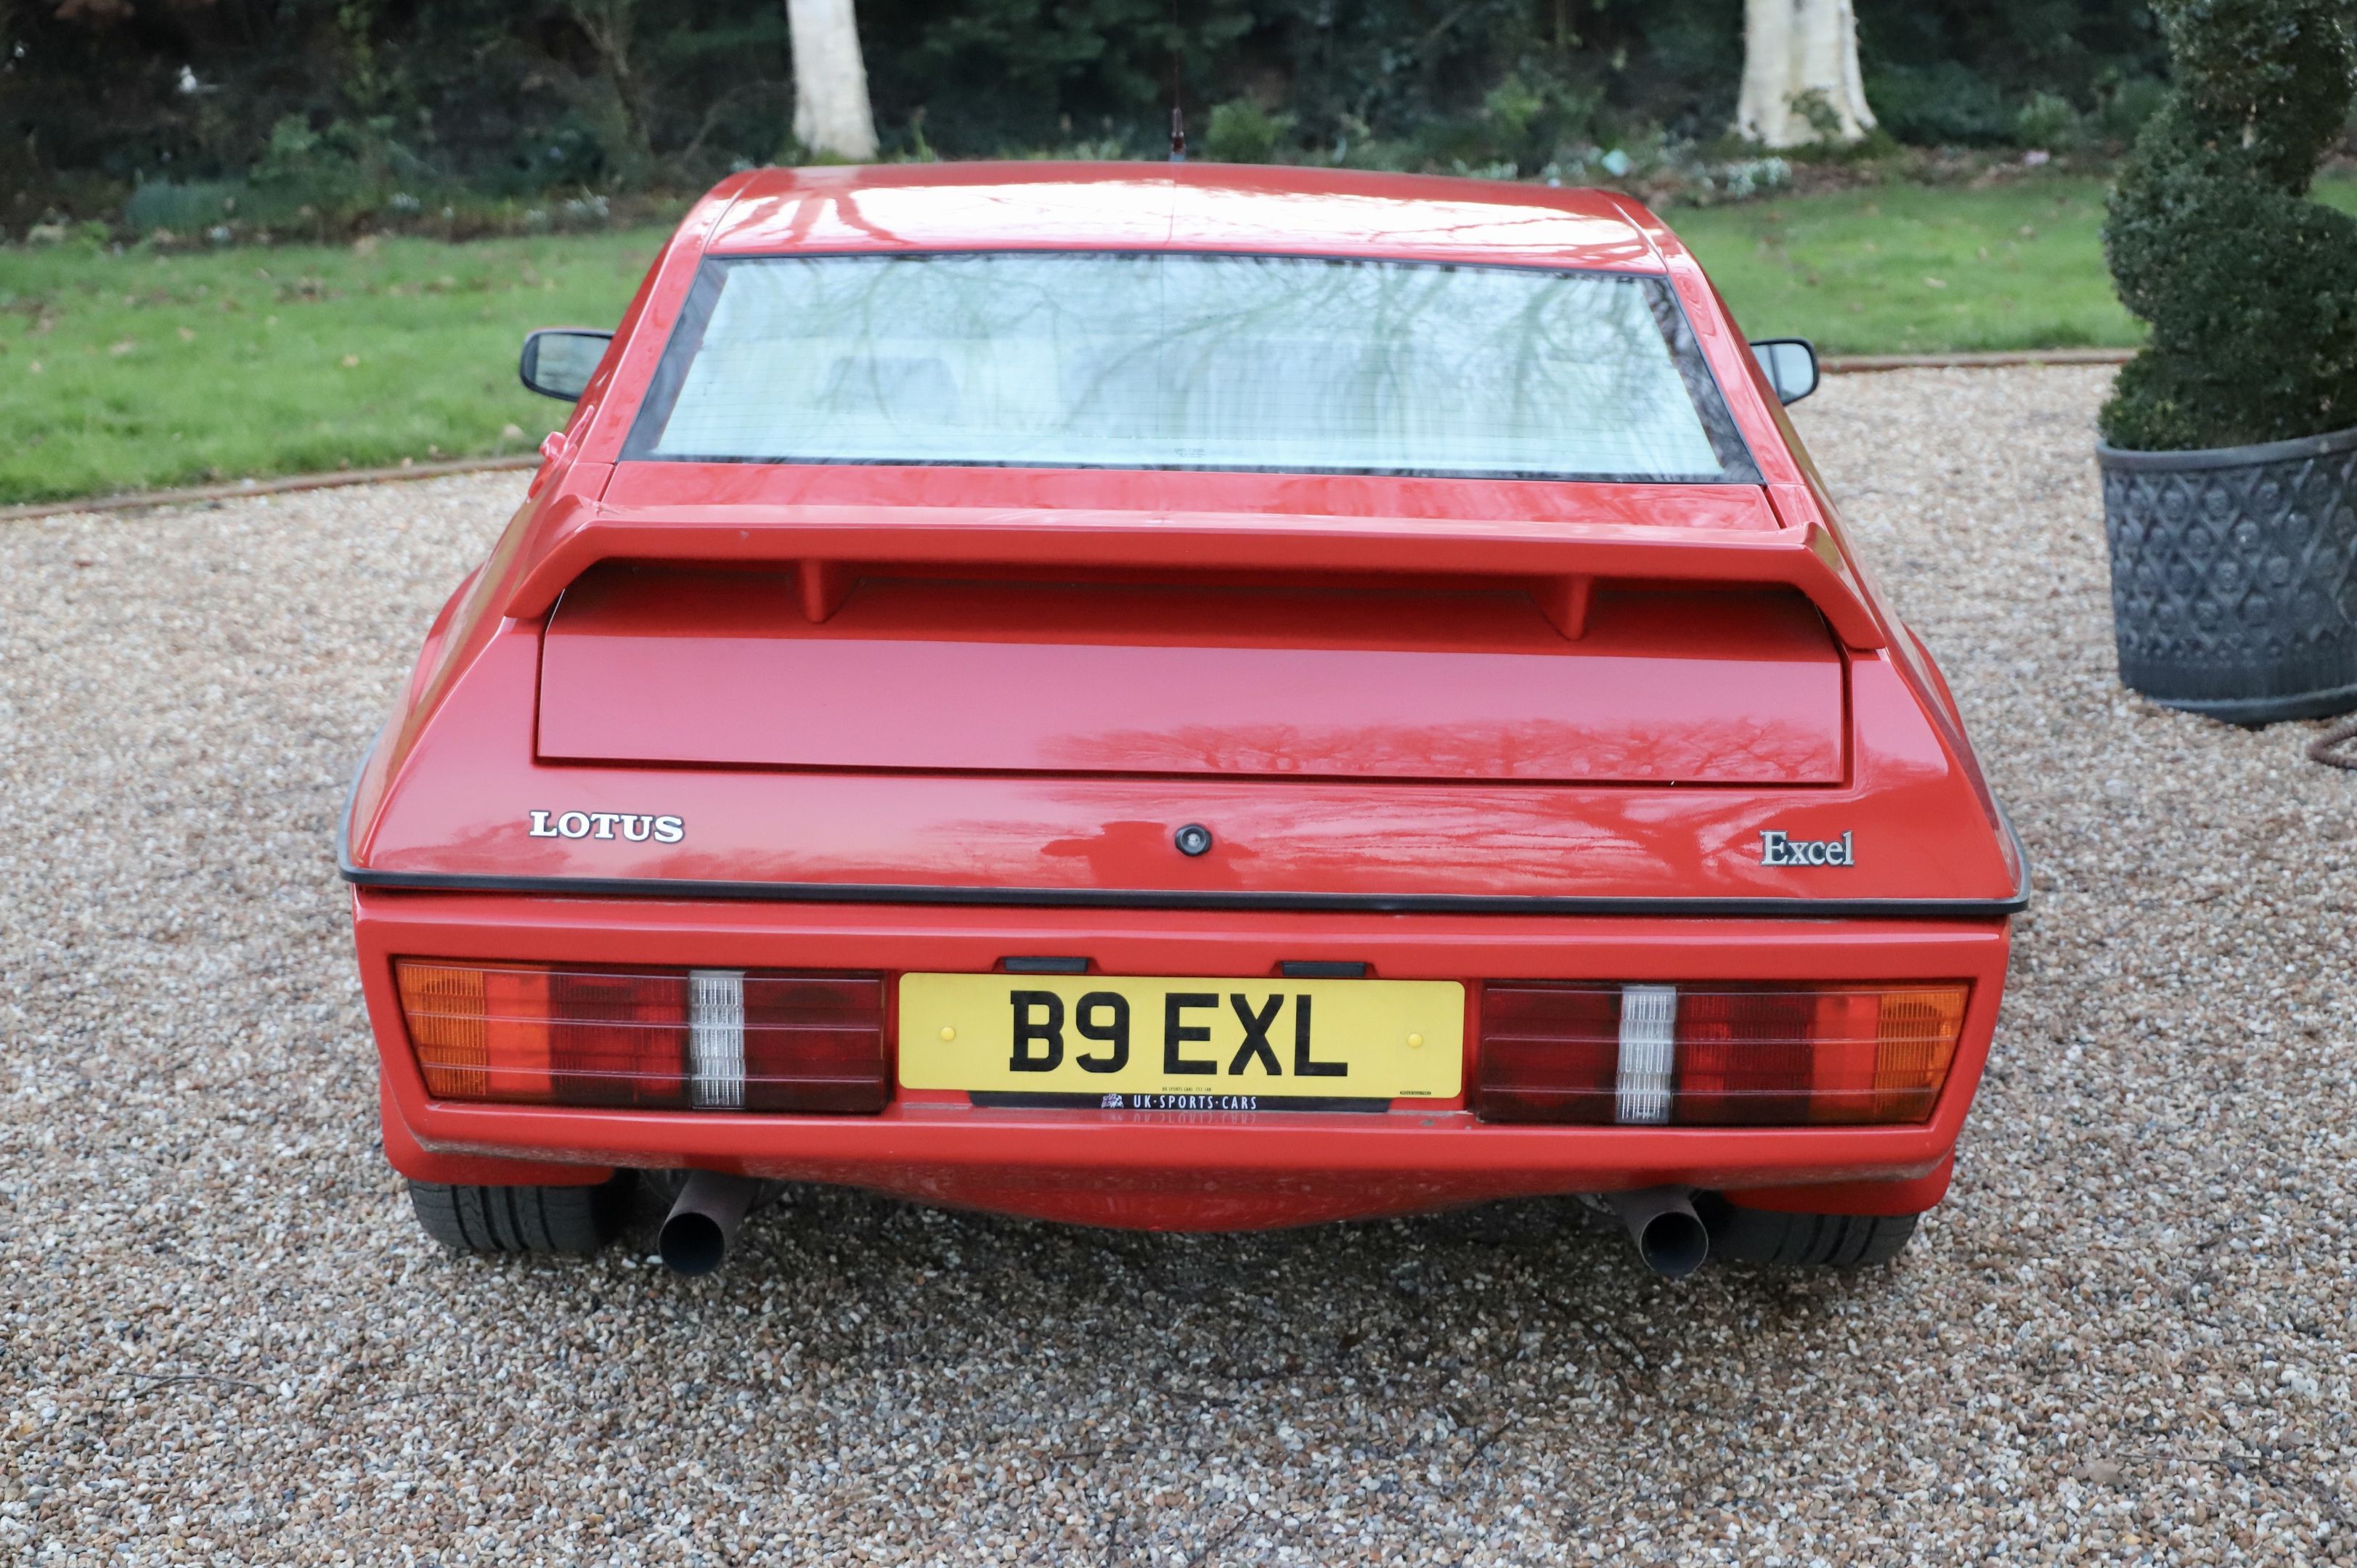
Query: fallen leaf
point(512, 433)
point(188, 336)
point(120, 349)
point(1935, 282)
point(35, 367)
point(352, 361)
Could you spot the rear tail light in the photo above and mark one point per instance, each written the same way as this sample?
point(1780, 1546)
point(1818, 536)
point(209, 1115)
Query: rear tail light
point(716, 1039)
point(1716, 1055)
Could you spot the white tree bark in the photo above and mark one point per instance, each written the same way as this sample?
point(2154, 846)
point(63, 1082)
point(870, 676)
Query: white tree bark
point(832, 114)
point(1798, 54)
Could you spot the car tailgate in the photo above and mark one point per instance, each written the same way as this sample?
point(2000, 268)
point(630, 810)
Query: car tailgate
point(700, 667)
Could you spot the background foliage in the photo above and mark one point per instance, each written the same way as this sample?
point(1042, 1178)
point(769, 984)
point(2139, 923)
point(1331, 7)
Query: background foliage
point(296, 114)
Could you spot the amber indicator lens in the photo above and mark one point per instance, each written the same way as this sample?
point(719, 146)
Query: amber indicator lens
point(1716, 1055)
point(708, 1039)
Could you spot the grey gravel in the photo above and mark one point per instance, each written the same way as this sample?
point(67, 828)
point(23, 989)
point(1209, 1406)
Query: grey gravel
point(2125, 1338)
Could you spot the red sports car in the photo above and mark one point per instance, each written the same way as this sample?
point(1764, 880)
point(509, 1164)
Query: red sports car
point(1178, 697)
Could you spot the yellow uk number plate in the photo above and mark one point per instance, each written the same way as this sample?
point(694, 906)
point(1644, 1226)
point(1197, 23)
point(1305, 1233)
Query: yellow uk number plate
point(1182, 1043)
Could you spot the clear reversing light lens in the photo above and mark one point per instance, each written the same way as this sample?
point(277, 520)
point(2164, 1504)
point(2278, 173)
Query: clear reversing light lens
point(1646, 1076)
point(715, 1038)
point(1715, 1055)
point(720, 1040)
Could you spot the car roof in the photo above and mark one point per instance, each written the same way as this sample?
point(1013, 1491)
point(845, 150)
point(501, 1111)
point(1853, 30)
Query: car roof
point(1184, 207)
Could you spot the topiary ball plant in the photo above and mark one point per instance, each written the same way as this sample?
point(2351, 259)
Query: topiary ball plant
point(2250, 288)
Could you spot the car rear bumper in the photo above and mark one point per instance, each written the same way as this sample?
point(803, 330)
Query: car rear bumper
point(1211, 1170)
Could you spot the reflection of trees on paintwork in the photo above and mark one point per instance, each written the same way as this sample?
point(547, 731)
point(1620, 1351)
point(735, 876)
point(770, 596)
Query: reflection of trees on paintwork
point(1222, 362)
point(1720, 750)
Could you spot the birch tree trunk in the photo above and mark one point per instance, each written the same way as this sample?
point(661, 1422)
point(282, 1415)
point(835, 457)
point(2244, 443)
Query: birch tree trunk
point(1801, 81)
point(831, 110)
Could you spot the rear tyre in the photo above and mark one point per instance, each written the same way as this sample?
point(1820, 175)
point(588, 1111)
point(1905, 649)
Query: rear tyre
point(574, 1222)
point(1800, 1240)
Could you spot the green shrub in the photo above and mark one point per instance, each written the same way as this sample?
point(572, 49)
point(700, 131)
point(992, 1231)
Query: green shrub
point(2047, 121)
point(184, 207)
point(2249, 287)
point(1944, 104)
point(2123, 106)
point(1242, 132)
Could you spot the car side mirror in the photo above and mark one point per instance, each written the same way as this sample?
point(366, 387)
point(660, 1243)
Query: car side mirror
point(1789, 364)
point(559, 360)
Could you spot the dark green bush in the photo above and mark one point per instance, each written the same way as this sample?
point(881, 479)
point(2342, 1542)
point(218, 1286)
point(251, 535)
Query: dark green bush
point(1943, 104)
point(2049, 121)
point(1961, 72)
point(2123, 106)
point(318, 116)
point(2249, 287)
point(1242, 132)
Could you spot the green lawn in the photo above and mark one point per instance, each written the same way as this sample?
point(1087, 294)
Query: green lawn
point(130, 372)
point(1917, 269)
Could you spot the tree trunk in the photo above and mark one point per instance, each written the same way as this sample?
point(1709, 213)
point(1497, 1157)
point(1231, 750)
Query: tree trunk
point(608, 26)
point(1801, 81)
point(831, 110)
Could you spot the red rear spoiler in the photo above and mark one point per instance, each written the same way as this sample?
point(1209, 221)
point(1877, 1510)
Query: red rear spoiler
point(829, 543)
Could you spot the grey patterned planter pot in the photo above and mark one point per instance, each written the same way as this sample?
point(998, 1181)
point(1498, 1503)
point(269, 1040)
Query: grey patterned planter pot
point(2234, 576)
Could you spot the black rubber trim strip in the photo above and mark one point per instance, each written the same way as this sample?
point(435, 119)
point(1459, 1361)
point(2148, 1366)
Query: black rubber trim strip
point(1179, 899)
point(1175, 899)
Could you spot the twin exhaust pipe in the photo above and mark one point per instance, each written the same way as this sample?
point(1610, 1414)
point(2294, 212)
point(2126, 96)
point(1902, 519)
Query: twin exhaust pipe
point(702, 1225)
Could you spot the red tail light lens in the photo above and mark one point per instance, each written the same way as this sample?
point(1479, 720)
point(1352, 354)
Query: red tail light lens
point(704, 1038)
point(1716, 1055)
point(1746, 1057)
point(1550, 1053)
point(814, 1042)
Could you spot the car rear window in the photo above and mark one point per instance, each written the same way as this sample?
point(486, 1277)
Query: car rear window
point(1164, 360)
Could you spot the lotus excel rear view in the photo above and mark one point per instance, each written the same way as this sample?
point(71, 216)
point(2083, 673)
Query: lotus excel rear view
point(1178, 697)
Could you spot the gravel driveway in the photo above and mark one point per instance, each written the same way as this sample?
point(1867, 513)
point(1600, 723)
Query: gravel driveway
point(2125, 1335)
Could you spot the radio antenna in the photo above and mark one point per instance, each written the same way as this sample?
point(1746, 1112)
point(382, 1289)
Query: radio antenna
point(1177, 113)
